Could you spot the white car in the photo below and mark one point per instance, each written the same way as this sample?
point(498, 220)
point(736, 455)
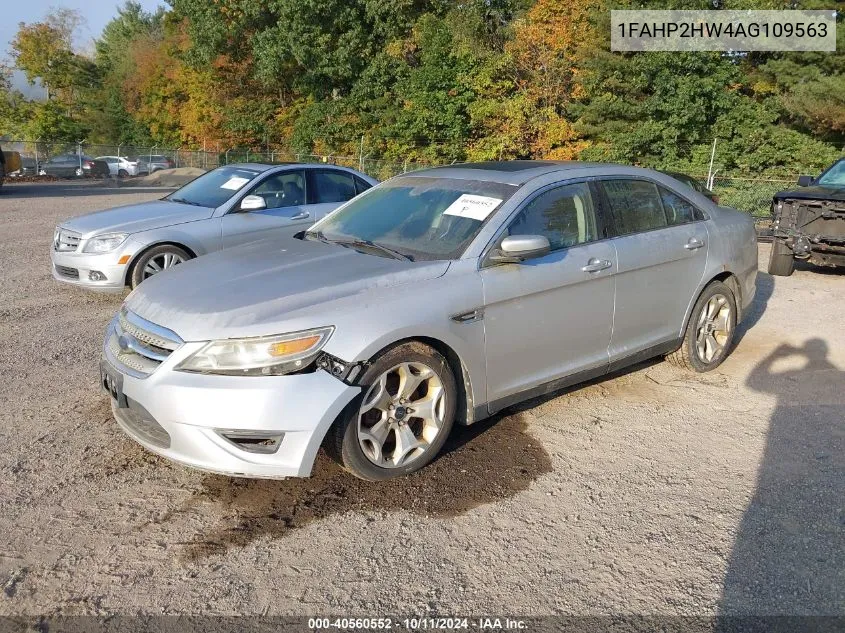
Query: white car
point(120, 165)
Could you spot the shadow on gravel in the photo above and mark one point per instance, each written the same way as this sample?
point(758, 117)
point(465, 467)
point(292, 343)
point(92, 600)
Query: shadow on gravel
point(483, 463)
point(765, 289)
point(789, 553)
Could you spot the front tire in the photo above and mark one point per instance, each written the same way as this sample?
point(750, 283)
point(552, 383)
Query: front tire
point(122, 173)
point(154, 261)
point(781, 259)
point(710, 331)
point(403, 418)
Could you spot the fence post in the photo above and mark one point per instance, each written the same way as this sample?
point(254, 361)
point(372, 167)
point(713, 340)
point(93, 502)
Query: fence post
point(710, 169)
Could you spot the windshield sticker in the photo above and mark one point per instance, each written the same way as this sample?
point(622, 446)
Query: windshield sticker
point(234, 183)
point(475, 207)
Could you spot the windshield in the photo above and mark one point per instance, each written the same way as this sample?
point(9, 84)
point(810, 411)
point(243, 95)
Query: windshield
point(214, 188)
point(416, 217)
point(834, 176)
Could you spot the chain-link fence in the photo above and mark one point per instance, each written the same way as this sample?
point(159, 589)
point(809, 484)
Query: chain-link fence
point(747, 192)
point(150, 159)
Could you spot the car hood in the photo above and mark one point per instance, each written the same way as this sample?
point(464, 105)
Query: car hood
point(135, 218)
point(253, 289)
point(816, 192)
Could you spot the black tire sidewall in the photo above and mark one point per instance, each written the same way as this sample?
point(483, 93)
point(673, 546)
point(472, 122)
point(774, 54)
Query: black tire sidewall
point(781, 259)
point(136, 275)
point(717, 287)
point(351, 454)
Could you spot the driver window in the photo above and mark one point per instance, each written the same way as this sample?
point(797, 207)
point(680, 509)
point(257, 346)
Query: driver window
point(286, 189)
point(565, 215)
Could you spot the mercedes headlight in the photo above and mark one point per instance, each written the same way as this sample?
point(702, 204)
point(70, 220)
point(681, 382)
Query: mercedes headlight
point(105, 243)
point(259, 356)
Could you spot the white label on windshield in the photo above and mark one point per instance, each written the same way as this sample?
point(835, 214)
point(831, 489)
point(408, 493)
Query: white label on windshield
point(234, 183)
point(475, 207)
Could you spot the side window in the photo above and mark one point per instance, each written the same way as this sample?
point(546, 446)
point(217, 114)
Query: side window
point(678, 210)
point(565, 215)
point(361, 185)
point(635, 205)
point(329, 186)
point(286, 189)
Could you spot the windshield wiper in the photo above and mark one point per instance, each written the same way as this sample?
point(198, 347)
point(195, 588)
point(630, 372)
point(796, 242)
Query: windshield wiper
point(356, 243)
point(183, 201)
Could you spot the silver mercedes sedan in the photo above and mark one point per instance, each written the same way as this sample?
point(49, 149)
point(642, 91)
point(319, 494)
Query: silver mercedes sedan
point(436, 298)
point(228, 206)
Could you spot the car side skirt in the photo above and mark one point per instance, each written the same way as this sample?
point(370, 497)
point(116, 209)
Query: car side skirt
point(550, 387)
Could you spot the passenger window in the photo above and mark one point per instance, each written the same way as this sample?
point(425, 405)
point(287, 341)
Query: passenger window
point(678, 210)
point(330, 186)
point(635, 205)
point(286, 189)
point(564, 215)
point(361, 185)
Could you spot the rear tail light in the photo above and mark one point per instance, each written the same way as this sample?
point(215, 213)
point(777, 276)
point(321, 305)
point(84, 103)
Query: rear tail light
point(715, 198)
point(89, 163)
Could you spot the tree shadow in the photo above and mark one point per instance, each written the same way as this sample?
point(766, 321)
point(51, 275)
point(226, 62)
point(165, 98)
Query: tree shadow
point(789, 554)
point(486, 462)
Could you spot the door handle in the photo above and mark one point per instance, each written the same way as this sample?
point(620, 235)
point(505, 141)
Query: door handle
point(595, 265)
point(302, 215)
point(693, 244)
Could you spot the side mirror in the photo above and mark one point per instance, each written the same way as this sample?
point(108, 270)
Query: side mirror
point(518, 248)
point(253, 203)
point(805, 181)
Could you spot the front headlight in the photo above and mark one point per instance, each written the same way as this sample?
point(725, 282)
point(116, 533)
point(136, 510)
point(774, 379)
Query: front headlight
point(105, 243)
point(260, 356)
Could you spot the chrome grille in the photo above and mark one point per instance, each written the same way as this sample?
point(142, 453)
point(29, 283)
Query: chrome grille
point(66, 241)
point(138, 345)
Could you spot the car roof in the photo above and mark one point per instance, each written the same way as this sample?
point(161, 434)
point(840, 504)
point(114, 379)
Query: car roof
point(262, 167)
point(518, 172)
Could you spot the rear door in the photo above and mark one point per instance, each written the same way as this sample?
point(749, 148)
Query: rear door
point(550, 317)
point(661, 242)
point(328, 189)
point(284, 193)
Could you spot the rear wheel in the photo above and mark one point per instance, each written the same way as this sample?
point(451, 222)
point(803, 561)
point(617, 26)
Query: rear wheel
point(781, 259)
point(402, 420)
point(710, 331)
point(155, 260)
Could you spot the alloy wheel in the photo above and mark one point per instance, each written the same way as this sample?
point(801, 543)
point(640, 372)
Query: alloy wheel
point(401, 415)
point(161, 262)
point(713, 331)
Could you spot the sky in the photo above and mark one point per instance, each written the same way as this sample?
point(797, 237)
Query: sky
point(96, 13)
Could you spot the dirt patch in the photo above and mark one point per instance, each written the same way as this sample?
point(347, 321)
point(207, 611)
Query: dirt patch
point(453, 484)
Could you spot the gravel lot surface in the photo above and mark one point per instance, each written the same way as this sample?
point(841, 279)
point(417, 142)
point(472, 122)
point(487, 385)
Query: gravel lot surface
point(653, 492)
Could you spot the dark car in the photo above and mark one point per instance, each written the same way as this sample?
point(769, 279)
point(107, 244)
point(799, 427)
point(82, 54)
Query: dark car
point(809, 223)
point(70, 165)
point(691, 182)
point(147, 164)
point(27, 168)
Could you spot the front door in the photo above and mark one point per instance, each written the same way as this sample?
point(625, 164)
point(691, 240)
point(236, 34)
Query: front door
point(550, 317)
point(286, 212)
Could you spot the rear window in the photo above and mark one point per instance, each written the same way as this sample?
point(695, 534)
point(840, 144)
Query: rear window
point(635, 205)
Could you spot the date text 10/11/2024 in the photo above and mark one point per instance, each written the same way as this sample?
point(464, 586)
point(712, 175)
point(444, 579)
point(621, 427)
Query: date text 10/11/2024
point(418, 624)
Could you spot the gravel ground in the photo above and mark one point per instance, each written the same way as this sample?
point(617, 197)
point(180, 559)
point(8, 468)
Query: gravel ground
point(653, 492)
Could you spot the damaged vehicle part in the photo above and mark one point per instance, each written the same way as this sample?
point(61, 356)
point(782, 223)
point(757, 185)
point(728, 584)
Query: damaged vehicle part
point(809, 223)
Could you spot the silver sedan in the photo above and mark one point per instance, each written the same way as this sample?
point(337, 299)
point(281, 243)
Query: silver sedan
point(228, 206)
point(437, 298)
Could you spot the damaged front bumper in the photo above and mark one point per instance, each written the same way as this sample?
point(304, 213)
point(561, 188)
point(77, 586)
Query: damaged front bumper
point(813, 230)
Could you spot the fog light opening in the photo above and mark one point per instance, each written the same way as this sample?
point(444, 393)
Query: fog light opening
point(96, 275)
point(263, 442)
